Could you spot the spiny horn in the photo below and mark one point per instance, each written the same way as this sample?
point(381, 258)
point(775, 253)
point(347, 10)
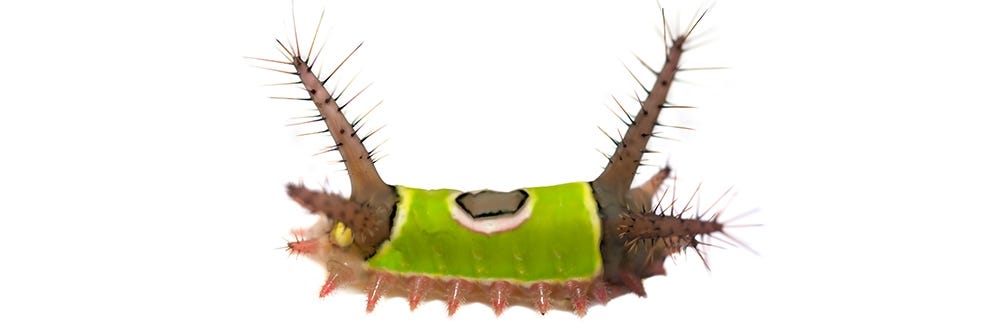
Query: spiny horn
point(611, 187)
point(655, 227)
point(618, 174)
point(366, 184)
point(368, 191)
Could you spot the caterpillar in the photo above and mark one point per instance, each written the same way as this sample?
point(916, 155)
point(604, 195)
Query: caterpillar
point(563, 247)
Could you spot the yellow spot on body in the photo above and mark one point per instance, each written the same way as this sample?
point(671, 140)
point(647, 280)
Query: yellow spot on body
point(341, 235)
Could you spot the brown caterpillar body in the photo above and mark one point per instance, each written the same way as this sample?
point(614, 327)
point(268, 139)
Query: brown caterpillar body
point(635, 236)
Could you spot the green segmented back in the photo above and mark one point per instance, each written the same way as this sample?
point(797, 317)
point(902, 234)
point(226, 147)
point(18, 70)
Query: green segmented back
point(560, 241)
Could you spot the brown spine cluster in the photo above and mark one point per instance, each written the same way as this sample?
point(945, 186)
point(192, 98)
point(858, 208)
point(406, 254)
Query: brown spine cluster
point(368, 233)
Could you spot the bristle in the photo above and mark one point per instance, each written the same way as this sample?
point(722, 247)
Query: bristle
point(271, 61)
point(315, 36)
point(355, 96)
point(377, 286)
point(499, 292)
point(277, 70)
point(644, 64)
point(637, 81)
point(457, 289)
point(342, 62)
point(542, 293)
point(300, 232)
point(317, 118)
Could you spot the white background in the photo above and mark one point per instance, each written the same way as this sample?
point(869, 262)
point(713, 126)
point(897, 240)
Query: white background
point(143, 164)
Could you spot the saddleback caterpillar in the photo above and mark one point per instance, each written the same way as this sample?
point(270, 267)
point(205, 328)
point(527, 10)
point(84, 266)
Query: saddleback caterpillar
point(565, 246)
